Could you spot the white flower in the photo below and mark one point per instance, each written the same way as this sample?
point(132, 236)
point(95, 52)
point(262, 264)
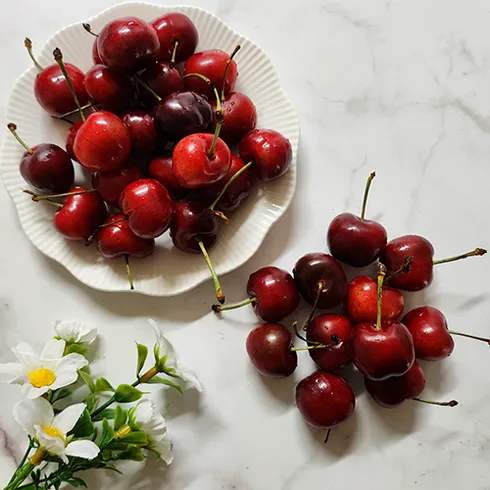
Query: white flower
point(75, 331)
point(145, 417)
point(37, 418)
point(49, 370)
point(163, 348)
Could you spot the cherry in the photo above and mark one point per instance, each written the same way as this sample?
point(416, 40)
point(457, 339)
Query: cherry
point(324, 399)
point(148, 206)
point(355, 240)
point(361, 301)
point(211, 64)
point(161, 169)
point(109, 89)
point(321, 280)
point(178, 36)
point(272, 292)
point(111, 184)
point(320, 331)
point(46, 167)
point(421, 273)
point(128, 44)
point(269, 349)
point(95, 50)
point(52, 90)
point(270, 151)
point(70, 139)
point(382, 349)
point(142, 131)
point(163, 80)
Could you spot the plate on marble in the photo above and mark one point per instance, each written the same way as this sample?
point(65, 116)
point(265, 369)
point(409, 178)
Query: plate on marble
point(168, 271)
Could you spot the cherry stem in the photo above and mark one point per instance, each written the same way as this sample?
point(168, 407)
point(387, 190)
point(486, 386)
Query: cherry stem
point(327, 436)
point(220, 215)
point(366, 193)
point(217, 286)
point(319, 345)
point(88, 28)
point(227, 185)
point(174, 52)
point(28, 45)
point(128, 272)
point(147, 87)
point(54, 203)
point(381, 277)
point(451, 403)
point(475, 337)
point(405, 267)
point(75, 111)
point(58, 57)
point(218, 308)
point(320, 286)
point(91, 238)
point(13, 129)
point(38, 197)
point(295, 327)
point(474, 253)
point(225, 72)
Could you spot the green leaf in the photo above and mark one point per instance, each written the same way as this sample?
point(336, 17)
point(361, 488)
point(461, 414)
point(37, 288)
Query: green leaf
point(84, 427)
point(118, 446)
point(76, 482)
point(163, 381)
point(120, 418)
point(138, 438)
point(109, 466)
point(103, 385)
point(127, 393)
point(76, 348)
point(87, 379)
point(95, 434)
point(133, 454)
point(156, 352)
point(90, 401)
point(60, 394)
point(107, 433)
point(108, 413)
point(142, 355)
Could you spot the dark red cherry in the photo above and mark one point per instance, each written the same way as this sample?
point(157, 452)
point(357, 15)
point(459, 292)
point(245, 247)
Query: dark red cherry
point(163, 80)
point(161, 169)
point(142, 131)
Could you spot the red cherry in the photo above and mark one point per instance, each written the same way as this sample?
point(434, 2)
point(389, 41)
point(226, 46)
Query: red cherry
point(70, 139)
point(175, 27)
point(102, 143)
point(142, 131)
point(148, 207)
point(324, 399)
point(111, 184)
point(361, 301)
point(322, 329)
point(163, 80)
point(270, 151)
point(80, 214)
point(269, 349)
point(161, 169)
point(128, 44)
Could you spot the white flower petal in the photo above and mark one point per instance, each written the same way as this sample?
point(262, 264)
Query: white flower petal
point(72, 361)
point(64, 379)
point(76, 331)
point(66, 420)
point(164, 447)
point(166, 348)
point(190, 378)
point(54, 445)
point(33, 392)
point(143, 411)
point(82, 449)
point(53, 350)
point(29, 413)
point(14, 369)
point(27, 357)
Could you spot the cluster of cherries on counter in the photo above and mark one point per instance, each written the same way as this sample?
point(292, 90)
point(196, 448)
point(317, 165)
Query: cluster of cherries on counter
point(371, 333)
point(157, 141)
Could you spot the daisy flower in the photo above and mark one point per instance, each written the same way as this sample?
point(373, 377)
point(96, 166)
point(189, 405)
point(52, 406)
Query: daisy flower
point(75, 332)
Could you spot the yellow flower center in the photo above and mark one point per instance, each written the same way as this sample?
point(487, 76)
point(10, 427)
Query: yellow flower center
point(42, 377)
point(53, 432)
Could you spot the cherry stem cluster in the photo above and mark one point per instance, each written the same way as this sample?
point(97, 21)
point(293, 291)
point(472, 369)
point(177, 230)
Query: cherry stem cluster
point(366, 194)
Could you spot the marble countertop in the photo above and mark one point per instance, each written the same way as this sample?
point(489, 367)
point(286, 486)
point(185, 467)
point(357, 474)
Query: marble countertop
point(401, 87)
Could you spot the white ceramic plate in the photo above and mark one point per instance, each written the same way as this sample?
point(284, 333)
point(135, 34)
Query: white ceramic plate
point(168, 271)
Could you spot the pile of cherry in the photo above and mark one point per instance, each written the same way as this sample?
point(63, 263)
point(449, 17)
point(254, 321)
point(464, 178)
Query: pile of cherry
point(371, 333)
point(157, 141)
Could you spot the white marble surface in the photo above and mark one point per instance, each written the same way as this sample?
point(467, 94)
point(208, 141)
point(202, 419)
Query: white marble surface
point(402, 87)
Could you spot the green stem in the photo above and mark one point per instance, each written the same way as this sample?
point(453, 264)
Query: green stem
point(218, 308)
point(366, 193)
point(474, 337)
point(43, 197)
point(320, 286)
point(174, 53)
point(147, 87)
point(23, 460)
point(474, 253)
point(217, 286)
point(75, 111)
point(128, 272)
point(24, 472)
point(13, 129)
point(381, 276)
point(225, 72)
point(227, 185)
point(28, 45)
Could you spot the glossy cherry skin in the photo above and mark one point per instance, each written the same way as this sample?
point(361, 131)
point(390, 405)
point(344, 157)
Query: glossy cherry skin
point(238, 191)
point(181, 114)
point(102, 143)
point(394, 391)
point(139, 122)
point(193, 221)
point(128, 44)
point(239, 117)
point(431, 338)
point(355, 241)
point(275, 292)
point(313, 268)
point(211, 64)
point(161, 169)
point(163, 80)
point(95, 54)
point(193, 167)
point(379, 354)
point(111, 184)
point(421, 272)
point(148, 206)
point(269, 349)
point(118, 240)
point(48, 169)
point(270, 151)
point(321, 329)
point(361, 302)
point(324, 399)
point(52, 92)
point(110, 90)
point(80, 215)
point(70, 139)
point(173, 27)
